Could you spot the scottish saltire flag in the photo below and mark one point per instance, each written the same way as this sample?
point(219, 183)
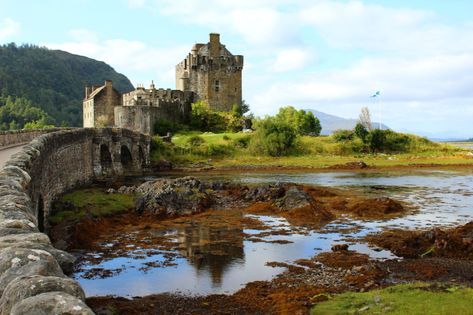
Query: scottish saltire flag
point(378, 93)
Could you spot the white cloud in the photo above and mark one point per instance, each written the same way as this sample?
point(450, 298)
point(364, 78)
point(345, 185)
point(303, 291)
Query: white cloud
point(375, 27)
point(8, 28)
point(292, 59)
point(135, 59)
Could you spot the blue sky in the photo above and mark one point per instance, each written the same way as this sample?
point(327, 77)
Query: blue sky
point(320, 54)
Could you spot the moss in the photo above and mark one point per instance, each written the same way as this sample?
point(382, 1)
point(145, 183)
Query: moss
point(417, 298)
point(90, 201)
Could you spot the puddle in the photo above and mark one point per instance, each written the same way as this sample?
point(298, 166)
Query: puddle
point(204, 258)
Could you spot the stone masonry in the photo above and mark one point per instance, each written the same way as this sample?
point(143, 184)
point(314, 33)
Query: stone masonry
point(209, 73)
point(32, 271)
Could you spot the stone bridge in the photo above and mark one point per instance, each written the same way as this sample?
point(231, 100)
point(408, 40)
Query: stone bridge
point(32, 279)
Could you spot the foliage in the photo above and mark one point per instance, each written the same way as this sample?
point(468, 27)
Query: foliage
point(90, 201)
point(361, 132)
point(273, 137)
point(343, 135)
point(163, 126)
point(195, 141)
point(53, 80)
point(205, 119)
point(416, 298)
point(305, 123)
point(388, 141)
point(18, 113)
point(37, 125)
point(239, 110)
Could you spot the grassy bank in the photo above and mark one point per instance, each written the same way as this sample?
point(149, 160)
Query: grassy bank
point(401, 299)
point(234, 150)
point(93, 202)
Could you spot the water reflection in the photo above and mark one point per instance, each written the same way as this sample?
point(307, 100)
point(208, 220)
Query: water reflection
point(221, 259)
point(212, 249)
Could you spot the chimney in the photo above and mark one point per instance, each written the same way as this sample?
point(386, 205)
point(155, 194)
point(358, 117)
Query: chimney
point(214, 45)
point(108, 83)
point(87, 91)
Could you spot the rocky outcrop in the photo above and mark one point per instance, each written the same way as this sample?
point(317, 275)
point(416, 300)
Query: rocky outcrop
point(173, 197)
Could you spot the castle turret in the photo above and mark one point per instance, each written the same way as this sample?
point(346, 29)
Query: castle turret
point(212, 73)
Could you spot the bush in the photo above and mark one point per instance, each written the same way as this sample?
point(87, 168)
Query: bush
point(205, 119)
point(343, 135)
point(225, 137)
point(163, 126)
point(361, 132)
point(388, 141)
point(242, 142)
point(219, 150)
point(195, 141)
point(273, 138)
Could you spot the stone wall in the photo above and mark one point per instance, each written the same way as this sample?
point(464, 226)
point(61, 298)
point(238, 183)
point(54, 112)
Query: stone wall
point(32, 279)
point(15, 137)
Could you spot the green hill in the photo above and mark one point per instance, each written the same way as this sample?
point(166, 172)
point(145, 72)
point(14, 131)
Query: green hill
point(51, 80)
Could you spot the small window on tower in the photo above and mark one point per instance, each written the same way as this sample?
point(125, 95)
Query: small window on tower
point(217, 85)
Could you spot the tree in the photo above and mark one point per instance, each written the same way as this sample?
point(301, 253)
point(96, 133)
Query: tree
point(205, 119)
point(361, 132)
point(303, 122)
point(273, 138)
point(240, 109)
point(365, 118)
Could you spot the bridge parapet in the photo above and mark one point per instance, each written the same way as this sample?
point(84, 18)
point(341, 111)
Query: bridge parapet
point(48, 166)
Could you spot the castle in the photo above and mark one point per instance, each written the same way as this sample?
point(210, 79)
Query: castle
point(209, 73)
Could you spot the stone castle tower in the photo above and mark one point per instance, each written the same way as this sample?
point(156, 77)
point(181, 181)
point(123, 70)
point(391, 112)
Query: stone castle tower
point(213, 74)
point(209, 73)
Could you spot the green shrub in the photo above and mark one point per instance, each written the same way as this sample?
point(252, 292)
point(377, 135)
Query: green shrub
point(273, 138)
point(361, 132)
point(343, 135)
point(195, 141)
point(163, 126)
point(242, 142)
point(214, 150)
point(225, 137)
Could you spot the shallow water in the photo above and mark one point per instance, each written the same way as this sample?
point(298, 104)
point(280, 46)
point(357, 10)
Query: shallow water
point(207, 262)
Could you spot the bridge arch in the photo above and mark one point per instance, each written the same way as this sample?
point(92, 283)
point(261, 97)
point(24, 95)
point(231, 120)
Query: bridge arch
point(126, 158)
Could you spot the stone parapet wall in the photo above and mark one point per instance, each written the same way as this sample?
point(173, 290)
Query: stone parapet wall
point(14, 137)
point(32, 271)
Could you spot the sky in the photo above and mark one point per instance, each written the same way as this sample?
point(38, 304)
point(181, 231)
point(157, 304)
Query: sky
point(327, 55)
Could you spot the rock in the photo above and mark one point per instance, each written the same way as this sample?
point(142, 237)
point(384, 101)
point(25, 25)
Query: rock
point(16, 262)
point(173, 197)
point(265, 192)
point(339, 247)
point(51, 303)
point(294, 198)
point(28, 286)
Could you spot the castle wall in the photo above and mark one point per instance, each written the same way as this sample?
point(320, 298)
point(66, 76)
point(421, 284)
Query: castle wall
point(213, 73)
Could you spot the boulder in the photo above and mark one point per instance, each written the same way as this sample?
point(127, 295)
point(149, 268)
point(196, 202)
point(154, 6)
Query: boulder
point(24, 287)
point(16, 262)
point(51, 303)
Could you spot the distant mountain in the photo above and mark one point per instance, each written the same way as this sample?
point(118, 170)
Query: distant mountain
point(53, 80)
point(330, 123)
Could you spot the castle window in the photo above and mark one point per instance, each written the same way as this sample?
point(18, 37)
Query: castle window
point(217, 85)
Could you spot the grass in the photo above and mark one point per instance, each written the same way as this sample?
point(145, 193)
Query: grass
point(90, 201)
point(222, 150)
point(417, 298)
